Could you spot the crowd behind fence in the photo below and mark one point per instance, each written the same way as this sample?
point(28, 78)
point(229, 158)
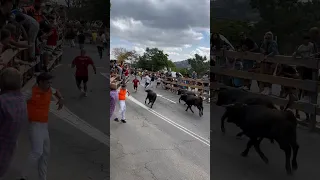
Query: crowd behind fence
point(43, 56)
point(285, 78)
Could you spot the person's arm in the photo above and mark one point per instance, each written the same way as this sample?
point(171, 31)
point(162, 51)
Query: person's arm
point(18, 44)
point(58, 95)
point(27, 94)
point(297, 52)
point(93, 66)
point(254, 48)
point(24, 33)
point(128, 93)
point(73, 63)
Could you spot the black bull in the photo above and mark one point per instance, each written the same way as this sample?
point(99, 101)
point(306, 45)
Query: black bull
point(259, 118)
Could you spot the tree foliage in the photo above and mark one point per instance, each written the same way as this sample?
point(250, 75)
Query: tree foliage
point(154, 59)
point(287, 19)
point(122, 54)
point(199, 64)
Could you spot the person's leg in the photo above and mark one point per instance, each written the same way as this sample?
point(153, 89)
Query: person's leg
point(43, 161)
point(37, 136)
point(85, 80)
point(78, 82)
point(123, 111)
point(33, 32)
point(100, 52)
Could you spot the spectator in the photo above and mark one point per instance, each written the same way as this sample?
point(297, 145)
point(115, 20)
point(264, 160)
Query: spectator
point(104, 39)
point(247, 45)
point(81, 39)
point(52, 39)
point(113, 98)
point(13, 40)
point(5, 40)
point(269, 48)
point(13, 112)
point(100, 44)
point(32, 29)
point(5, 11)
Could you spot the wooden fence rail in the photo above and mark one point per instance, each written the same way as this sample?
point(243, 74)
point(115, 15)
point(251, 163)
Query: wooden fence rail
point(19, 59)
point(311, 86)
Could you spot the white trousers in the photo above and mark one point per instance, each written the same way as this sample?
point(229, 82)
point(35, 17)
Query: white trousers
point(122, 110)
point(40, 150)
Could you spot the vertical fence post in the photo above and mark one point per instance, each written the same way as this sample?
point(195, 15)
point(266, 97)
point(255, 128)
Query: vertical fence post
point(314, 98)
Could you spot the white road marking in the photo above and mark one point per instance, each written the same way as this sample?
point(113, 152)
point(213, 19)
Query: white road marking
point(105, 75)
point(166, 98)
point(189, 132)
point(69, 117)
point(180, 127)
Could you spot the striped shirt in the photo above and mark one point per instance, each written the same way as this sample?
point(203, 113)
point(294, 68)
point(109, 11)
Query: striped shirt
point(13, 112)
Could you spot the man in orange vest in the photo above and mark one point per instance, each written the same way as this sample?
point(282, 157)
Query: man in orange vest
point(122, 102)
point(38, 105)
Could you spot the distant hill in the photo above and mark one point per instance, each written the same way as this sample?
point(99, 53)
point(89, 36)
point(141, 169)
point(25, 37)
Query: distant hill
point(233, 10)
point(182, 64)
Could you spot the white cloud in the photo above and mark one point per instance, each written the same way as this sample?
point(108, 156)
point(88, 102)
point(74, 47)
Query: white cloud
point(174, 26)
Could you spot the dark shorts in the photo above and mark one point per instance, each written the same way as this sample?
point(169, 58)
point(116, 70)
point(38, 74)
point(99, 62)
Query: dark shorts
point(147, 84)
point(135, 86)
point(83, 79)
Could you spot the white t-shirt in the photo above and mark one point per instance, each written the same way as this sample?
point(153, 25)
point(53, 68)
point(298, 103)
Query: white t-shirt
point(148, 79)
point(103, 38)
point(306, 50)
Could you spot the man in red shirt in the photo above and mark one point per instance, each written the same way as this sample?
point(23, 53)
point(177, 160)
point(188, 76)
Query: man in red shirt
point(135, 83)
point(81, 63)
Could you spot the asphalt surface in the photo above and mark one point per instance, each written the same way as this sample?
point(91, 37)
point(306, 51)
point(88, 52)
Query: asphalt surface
point(163, 143)
point(146, 148)
point(78, 151)
point(153, 145)
point(227, 164)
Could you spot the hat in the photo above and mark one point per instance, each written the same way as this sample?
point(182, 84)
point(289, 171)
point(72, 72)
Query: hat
point(44, 77)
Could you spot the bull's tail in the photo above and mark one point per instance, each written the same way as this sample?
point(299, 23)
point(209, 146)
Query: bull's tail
point(290, 102)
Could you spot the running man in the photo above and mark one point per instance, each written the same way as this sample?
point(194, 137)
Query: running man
point(122, 102)
point(38, 105)
point(135, 83)
point(81, 63)
point(148, 81)
point(158, 81)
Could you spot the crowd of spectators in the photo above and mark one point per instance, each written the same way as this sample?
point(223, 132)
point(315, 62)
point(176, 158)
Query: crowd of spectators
point(34, 27)
point(309, 48)
point(23, 27)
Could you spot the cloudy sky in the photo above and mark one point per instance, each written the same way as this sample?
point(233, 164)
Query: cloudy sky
point(179, 27)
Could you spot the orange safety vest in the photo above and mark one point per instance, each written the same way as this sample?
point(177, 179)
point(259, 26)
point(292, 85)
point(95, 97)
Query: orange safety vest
point(38, 105)
point(122, 94)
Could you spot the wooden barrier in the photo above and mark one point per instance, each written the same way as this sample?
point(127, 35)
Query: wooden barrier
point(16, 58)
point(203, 87)
point(308, 85)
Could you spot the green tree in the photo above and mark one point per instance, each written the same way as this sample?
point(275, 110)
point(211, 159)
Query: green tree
point(199, 64)
point(154, 59)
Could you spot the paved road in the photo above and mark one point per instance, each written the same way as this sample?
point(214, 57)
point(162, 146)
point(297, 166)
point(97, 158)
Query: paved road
point(76, 154)
point(146, 148)
point(163, 143)
point(227, 164)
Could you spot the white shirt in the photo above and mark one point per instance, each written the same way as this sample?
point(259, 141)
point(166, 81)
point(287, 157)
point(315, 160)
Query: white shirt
point(148, 79)
point(103, 38)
